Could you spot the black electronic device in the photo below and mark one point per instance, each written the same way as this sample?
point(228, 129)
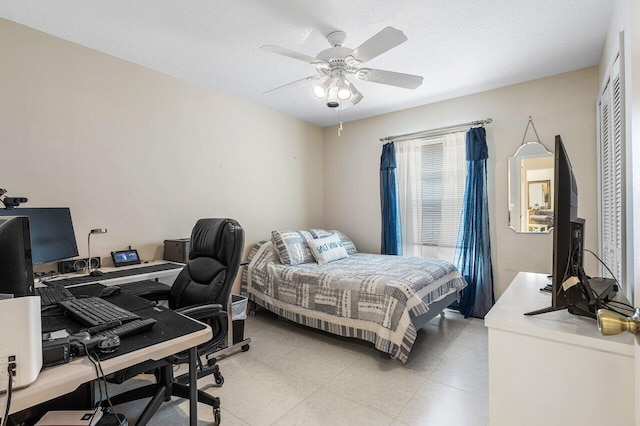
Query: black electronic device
point(108, 340)
point(129, 329)
point(11, 202)
point(52, 236)
point(77, 265)
point(55, 351)
point(568, 243)
point(94, 311)
point(16, 268)
point(53, 294)
point(109, 291)
point(109, 344)
point(125, 257)
point(83, 342)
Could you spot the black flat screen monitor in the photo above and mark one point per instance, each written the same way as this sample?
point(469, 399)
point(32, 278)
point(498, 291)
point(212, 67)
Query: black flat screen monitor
point(568, 230)
point(52, 236)
point(16, 269)
point(568, 235)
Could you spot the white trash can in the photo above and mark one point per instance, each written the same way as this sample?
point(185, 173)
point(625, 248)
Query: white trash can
point(238, 315)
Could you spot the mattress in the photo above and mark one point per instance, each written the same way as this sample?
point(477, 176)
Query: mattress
point(376, 298)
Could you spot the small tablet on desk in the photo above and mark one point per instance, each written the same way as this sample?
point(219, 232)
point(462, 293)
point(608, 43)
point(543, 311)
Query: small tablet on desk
point(125, 257)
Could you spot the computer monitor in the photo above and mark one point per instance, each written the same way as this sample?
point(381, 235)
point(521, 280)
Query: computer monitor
point(16, 269)
point(568, 240)
point(52, 236)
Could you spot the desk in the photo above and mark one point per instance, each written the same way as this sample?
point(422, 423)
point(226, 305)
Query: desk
point(554, 368)
point(166, 276)
point(59, 380)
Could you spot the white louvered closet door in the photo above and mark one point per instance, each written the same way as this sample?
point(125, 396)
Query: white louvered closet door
point(611, 172)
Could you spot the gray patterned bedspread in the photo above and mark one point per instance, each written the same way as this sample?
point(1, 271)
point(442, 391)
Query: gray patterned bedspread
point(372, 297)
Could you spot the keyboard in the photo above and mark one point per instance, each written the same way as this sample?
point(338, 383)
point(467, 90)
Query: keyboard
point(128, 329)
point(53, 294)
point(94, 311)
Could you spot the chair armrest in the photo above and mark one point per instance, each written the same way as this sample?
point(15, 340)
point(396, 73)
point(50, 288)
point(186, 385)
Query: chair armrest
point(203, 311)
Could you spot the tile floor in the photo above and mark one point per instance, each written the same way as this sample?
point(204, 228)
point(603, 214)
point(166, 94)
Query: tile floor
point(295, 376)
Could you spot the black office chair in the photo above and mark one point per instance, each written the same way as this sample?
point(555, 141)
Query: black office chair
point(201, 291)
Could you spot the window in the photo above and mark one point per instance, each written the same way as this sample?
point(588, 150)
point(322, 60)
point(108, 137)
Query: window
point(431, 177)
point(431, 193)
point(611, 116)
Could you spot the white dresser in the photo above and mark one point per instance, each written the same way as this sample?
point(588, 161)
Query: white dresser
point(554, 368)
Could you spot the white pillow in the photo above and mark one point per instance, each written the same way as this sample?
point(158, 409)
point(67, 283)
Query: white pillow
point(327, 249)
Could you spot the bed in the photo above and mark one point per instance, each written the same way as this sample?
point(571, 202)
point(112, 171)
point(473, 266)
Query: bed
point(380, 299)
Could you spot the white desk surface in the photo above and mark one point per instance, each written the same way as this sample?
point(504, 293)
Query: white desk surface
point(523, 295)
point(122, 280)
point(62, 379)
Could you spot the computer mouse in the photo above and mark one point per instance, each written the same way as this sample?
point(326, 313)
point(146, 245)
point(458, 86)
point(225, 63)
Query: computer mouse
point(109, 344)
point(109, 291)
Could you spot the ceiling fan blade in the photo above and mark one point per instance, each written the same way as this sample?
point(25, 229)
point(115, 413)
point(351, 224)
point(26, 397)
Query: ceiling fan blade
point(293, 83)
point(408, 81)
point(385, 40)
point(295, 55)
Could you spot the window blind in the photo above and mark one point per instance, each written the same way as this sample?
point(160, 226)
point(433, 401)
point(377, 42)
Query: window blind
point(441, 208)
point(611, 172)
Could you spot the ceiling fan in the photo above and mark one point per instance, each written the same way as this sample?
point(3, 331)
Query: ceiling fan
point(337, 62)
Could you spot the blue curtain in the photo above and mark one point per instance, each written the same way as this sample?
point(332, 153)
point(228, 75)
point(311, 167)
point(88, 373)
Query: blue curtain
point(473, 251)
point(391, 234)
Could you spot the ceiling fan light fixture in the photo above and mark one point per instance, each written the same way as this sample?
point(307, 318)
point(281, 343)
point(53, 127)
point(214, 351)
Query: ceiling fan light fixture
point(320, 90)
point(336, 63)
point(344, 92)
point(356, 96)
point(332, 93)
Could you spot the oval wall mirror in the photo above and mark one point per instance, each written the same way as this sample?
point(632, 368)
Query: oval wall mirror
point(531, 189)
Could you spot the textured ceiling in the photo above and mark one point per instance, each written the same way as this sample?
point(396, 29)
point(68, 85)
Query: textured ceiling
point(459, 46)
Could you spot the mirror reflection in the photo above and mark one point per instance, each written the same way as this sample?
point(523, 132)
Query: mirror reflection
point(531, 189)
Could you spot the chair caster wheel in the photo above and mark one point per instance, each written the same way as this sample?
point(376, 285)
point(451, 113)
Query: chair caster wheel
point(218, 378)
point(216, 416)
point(244, 348)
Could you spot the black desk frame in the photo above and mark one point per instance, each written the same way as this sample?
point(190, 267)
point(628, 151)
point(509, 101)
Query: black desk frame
point(51, 383)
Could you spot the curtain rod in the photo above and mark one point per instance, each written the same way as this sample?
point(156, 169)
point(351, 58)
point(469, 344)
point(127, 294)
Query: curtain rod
point(434, 132)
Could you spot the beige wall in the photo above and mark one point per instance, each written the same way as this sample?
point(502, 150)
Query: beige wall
point(563, 104)
point(145, 154)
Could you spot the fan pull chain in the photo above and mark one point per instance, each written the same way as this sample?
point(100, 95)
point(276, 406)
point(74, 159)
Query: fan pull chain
point(340, 121)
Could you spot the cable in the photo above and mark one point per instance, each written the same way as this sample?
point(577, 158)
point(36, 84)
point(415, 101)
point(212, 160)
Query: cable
point(10, 369)
point(95, 366)
point(609, 308)
point(106, 390)
point(626, 305)
point(566, 270)
point(605, 265)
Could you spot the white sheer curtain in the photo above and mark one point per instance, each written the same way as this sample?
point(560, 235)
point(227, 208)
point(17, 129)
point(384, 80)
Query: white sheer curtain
point(433, 170)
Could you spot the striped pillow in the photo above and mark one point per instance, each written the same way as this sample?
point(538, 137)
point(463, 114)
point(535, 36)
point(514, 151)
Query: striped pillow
point(346, 242)
point(291, 246)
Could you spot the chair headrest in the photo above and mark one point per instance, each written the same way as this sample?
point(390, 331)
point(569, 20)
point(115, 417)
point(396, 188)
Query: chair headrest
point(216, 238)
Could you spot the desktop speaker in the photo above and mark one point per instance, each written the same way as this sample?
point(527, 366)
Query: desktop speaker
point(77, 265)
